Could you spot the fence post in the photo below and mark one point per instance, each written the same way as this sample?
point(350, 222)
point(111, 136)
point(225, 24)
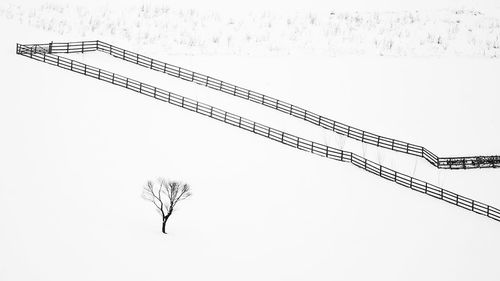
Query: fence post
point(50, 47)
point(67, 48)
point(83, 43)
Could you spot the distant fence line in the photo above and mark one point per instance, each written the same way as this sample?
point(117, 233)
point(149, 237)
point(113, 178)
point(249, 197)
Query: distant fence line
point(40, 53)
point(468, 162)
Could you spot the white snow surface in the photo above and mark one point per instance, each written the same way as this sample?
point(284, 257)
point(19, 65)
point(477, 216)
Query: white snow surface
point(333, 31)
point(76, 152)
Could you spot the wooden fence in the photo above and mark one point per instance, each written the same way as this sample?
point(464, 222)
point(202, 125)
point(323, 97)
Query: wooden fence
point(467, 162)
point(303, 144)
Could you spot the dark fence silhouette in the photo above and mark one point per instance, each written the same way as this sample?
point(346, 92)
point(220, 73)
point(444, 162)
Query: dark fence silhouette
point(36, 52)
point(468, 162)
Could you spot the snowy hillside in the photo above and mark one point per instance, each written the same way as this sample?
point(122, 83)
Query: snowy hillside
point(76, 152)
point(446, 32)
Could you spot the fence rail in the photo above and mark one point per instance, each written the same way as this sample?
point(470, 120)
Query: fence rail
point(469, 162)
point(261, 129)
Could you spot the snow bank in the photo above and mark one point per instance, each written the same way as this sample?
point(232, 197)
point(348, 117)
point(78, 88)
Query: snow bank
point(420, 33)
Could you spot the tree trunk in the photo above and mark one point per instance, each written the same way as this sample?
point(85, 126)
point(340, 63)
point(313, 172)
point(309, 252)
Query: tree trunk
point(165, 222)
point(163, 226)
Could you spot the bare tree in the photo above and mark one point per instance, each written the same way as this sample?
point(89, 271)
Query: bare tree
point(165, 196)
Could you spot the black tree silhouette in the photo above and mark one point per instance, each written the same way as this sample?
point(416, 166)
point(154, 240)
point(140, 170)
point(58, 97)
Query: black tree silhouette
point(165, 197)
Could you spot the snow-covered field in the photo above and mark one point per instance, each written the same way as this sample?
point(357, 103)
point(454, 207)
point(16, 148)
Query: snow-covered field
point(330, 32)
point(75, 152)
